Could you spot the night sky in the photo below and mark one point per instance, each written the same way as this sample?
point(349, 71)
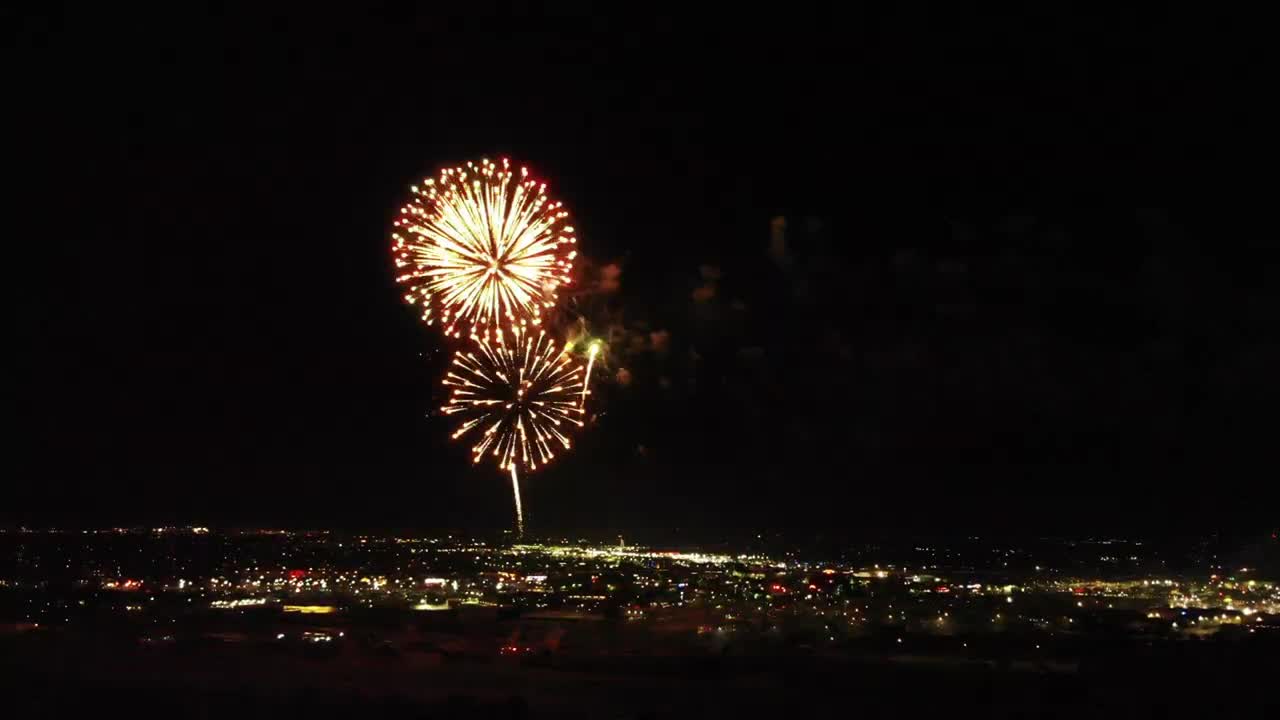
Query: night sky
point(1015, 289)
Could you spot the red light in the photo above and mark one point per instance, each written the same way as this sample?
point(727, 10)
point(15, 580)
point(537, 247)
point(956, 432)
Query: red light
point(297, 574)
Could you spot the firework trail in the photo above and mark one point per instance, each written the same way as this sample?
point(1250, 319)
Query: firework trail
point(586, 383)
point(515, 490)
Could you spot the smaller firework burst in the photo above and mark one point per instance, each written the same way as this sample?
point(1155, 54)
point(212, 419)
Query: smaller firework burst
point(521, 392)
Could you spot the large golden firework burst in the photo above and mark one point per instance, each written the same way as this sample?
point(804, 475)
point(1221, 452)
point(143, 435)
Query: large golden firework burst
point(482, 246)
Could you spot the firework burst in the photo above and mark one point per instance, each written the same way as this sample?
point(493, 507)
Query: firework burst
point(482, 246)
point(522, 394)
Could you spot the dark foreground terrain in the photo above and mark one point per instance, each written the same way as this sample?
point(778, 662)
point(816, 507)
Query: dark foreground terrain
point(48, 675)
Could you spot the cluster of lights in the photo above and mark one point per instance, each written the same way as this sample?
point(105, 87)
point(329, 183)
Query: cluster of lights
point(591, 553)
point(239, 603)
point(310, 609)
point(126, 585)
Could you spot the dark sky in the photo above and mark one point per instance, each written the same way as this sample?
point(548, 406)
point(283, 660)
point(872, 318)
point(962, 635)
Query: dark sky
point(1016, 289)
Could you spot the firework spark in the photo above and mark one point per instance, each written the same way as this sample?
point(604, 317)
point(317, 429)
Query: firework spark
point(521, 393)
point(481, 247)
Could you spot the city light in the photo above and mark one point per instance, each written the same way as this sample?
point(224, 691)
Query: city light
point(310, 609)
point(735, 596)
